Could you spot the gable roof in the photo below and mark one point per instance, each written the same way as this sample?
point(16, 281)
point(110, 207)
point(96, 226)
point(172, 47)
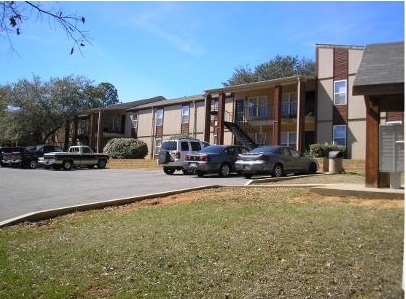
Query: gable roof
point(124, 106)
point(176, 101)
point(381, 69)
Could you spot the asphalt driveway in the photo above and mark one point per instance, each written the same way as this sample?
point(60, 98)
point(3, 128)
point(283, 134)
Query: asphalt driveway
point(23, 191)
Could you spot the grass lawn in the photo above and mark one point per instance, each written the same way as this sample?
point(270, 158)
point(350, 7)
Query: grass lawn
point(218, 243)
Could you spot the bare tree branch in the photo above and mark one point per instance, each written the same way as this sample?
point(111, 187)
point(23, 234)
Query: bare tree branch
point(12, 16)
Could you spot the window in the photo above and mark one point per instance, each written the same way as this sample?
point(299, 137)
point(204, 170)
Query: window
point(340, 92)
point(184, 146)
point(258, 107)
point(288, 139)
point(340, 135)
point(185, 114)
point(159, 115)
point(289, 104)
point(114, 125)
point(134, 120)
point(195, 146)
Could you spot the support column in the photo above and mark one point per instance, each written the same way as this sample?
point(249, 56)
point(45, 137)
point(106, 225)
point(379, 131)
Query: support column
point(91, 131)
point(75, 129)
point(373, 178)
point(207, 117)
point(301, 117)
point(277, 107)
point(220, 120)
point(99, 145)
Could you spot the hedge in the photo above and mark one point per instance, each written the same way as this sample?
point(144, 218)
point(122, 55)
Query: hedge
point(319, 150)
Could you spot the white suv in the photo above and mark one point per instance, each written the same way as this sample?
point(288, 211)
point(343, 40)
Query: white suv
point(173, 153)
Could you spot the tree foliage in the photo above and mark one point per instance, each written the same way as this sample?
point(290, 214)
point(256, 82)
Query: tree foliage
point(32, 111)
point(14, 15)
point(108, 94)
point(279, 67)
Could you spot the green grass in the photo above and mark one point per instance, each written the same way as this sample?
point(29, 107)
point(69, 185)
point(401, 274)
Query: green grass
point(230, 243)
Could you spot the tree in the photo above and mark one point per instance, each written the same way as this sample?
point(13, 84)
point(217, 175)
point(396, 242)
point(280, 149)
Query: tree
point(279, 67)
point(14, 14)
point(108, 94)
point(42, 108)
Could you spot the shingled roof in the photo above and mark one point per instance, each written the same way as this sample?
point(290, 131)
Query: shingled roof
point(381, 69)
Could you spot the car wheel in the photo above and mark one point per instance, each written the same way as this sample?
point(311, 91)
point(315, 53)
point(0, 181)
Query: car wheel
point(200, 173)
point(33, 164)
point(224, 170)
point(248, 175)
point(277, 171)
point(67, 165)
point(101, 164)
point(312, 168)
point(168, 170)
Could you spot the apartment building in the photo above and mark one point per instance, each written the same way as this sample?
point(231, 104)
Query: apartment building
point(295, 111)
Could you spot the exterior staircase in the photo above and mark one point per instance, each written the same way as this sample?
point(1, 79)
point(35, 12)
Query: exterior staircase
point(242, 137)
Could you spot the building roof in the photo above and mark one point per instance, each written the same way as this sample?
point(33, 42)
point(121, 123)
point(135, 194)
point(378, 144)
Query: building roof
point(125, 106)
point(128, 105)
point(260, 84)
point(176, 101)
point(381, 69)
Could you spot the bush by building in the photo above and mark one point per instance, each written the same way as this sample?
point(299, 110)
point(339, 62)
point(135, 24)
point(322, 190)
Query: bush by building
point(126, 148)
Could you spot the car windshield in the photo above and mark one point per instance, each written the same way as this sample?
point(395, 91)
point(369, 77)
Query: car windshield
point(266, 149)
point(212, 149)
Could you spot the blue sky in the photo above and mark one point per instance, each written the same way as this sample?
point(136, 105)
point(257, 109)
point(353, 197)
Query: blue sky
point(176, 49)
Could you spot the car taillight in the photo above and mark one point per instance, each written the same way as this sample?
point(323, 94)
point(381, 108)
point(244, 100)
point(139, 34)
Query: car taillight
point(187, 158)
point(177, 155)
point(262, 157)
point(204, 158)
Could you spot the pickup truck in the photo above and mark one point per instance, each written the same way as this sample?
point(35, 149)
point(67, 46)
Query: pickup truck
point(76, 156)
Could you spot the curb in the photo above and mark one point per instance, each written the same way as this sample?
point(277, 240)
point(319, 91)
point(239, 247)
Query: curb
point(52, 213)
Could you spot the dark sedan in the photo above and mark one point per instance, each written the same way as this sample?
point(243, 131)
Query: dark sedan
point(274, 160)
point(214, 159)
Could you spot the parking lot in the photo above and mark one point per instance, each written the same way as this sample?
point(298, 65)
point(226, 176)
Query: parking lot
point(23, 191)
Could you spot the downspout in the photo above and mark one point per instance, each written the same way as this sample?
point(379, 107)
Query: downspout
point(195, 119)
point(152, 133)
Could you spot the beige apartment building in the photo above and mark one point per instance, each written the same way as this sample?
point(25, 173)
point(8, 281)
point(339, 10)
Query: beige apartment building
point(295, 111)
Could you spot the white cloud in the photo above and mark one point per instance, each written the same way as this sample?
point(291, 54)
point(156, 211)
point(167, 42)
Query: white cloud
point(167, 22)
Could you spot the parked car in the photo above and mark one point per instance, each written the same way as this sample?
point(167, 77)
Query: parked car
point(76, 156)
point(6, 154)
point(214, 159)
point(173, 152)
point(38, 151)
point(274, 160)
point(21, 158)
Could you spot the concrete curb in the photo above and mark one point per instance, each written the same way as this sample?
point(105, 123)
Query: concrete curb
point(52, 213)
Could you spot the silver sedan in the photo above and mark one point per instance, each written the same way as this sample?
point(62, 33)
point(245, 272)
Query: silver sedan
point(274, 160)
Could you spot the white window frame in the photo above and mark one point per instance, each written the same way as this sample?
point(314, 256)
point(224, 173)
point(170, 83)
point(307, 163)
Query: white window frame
point(134, 120)
point(259, 109)
point(185, 114)
point(289, 104)
point(335, 137)
point(159, 116)
point(288, 139)
point(339, 94)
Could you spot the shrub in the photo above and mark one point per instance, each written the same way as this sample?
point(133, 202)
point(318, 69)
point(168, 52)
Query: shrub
point(318, 150)
point(126, 148)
